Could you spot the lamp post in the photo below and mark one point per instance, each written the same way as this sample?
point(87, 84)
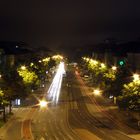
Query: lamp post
point(43, 103)
point(136, 77)
point(114, 68)
point(23, 67)
point(97, 92)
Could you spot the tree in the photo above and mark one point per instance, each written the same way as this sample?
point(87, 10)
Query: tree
point(111, 80)
point(3, 103)
point(130, 98)
point(12, 85)
point(57, 58)
point(122, 77)
point(30, 79)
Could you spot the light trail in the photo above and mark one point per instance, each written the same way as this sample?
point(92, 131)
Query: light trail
point(55, 87)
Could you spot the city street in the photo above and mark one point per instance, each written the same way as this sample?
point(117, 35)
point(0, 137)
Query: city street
point(70, 70)
point(98, 123)
point(75, 116)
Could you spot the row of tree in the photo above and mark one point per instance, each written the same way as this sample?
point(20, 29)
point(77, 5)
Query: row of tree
point(115, 81)
point(23, 78)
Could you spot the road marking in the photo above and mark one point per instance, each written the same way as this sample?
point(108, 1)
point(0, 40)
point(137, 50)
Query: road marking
point(26, 129)
point(56, 137)
point(26, 126)
point(42, 138)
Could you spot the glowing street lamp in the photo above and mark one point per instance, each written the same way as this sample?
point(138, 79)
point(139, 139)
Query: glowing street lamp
point(103, 65)
point(94, 62)
point(84, 58)
point(43, 103)
point(57, 57)
point(23, 67)
point(87, 59)
point(46, 59)
point(97, 92)
point(136, 77)
point(31, 64)
point(114, 68)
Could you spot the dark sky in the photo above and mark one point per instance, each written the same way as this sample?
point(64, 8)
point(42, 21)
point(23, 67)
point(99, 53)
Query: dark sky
point(67, 24)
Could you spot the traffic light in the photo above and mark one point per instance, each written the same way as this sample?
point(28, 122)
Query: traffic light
point(121, 62)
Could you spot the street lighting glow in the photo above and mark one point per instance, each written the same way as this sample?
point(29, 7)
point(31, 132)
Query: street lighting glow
point(57, 57)
point(31, 64)
point(46, 59)
point(43, 103)
point(86, 59)
point(23, 67)
point(136, 77)
point(103, 65)
point(97, 92)
point(114, 68)
point(93, 61)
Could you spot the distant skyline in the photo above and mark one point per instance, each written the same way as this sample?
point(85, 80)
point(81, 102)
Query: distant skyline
point(60, 25)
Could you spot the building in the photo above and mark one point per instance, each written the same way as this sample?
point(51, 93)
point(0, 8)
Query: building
point(114, 53)
point(9, 52)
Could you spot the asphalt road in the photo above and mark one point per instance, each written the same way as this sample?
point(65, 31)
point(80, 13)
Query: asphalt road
point(51, 123)
point(69, 119)
point(97, 123)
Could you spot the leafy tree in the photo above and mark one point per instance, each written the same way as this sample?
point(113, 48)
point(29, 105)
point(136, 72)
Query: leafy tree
point(12, 85)
point(3, 103)
point(111, 81)
point(1, 97)
point(30, 79)
point(57, 58)
point(40, 67)
point(122, 77)
point(130, 98)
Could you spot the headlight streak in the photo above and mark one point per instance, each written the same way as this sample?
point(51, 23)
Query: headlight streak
point(55, 87)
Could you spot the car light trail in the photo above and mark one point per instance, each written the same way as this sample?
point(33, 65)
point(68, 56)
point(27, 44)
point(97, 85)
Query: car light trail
point(55, 87)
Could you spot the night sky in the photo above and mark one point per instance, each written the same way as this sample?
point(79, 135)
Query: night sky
point(60, 25)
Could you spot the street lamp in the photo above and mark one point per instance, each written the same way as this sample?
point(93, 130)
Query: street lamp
point(23, 67)
point(94, 62)
point(97, 92)
point(114, 68)
point(136, 77)
point(31, 64)
point(103, 65)
point(43, 103)
point(87, 59)
point(46, 59)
